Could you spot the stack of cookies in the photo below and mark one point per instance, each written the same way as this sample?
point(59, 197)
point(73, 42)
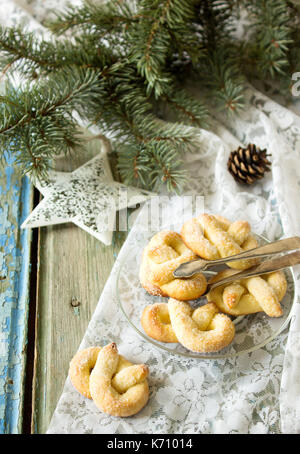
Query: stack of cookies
point(209, 327)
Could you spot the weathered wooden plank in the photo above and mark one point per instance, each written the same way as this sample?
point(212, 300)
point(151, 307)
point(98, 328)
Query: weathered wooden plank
point(73, 268)
point(15, 205)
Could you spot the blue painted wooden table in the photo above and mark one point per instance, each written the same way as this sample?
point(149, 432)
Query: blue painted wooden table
point(50, 282)
point(15, 204)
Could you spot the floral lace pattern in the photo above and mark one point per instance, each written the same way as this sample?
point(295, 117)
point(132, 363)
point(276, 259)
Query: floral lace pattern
point(257, 392)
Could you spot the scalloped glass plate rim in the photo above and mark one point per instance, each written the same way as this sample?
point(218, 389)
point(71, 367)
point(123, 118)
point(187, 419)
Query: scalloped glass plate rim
point(192, 355)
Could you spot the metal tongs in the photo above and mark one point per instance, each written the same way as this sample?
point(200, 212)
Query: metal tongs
point(279, 248)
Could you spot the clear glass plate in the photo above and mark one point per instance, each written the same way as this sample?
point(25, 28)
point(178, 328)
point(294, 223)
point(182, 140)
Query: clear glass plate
point(252, 331)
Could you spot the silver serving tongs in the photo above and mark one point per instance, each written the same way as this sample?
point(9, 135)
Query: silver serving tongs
point(280, 247)
point(268, 266)
point(188, 269)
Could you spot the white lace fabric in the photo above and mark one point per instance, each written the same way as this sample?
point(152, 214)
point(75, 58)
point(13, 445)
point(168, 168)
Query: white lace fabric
point(256, 392)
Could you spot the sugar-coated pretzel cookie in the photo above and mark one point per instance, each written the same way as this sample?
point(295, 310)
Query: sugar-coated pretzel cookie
point(123, 388)
point(156, 323)
point(80, 369)
point(202, 330)
point(83, 363)
point(247, 296)
point(213, 237)
point(163, 254)
point(134, 393)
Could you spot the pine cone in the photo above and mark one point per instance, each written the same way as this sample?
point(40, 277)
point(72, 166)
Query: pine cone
point(247, 165)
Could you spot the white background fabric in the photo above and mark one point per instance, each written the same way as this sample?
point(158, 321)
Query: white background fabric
point(258, 392)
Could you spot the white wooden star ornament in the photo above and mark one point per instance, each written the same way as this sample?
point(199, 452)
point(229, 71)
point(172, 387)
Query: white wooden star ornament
point(88, 197)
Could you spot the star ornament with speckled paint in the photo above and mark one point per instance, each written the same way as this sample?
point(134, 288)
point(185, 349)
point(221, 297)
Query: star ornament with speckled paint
point(88, 197)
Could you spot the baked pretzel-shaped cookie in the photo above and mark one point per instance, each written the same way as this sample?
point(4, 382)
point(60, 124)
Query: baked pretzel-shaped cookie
point(157, 324)
point(116, 386)
point(247, 296)
point(163, 254)
point(202, 330)
point(213, 237)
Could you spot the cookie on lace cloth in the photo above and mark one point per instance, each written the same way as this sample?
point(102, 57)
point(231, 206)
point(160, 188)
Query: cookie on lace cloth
point(116, 386)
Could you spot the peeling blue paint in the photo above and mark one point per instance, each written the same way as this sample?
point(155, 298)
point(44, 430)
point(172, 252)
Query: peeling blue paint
point(15, 205)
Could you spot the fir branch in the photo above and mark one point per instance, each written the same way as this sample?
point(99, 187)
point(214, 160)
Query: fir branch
point(166, 169)
point(270, 36)
point(125, 60)
point(221, 74)
point(104, 17)
point(134, 164)
point(215, 21)
point(151, 165)
point(36, 121)
point(218, 67)
point(187, 109)
point(61, 93)
point(151, 40)
point(27, 53)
